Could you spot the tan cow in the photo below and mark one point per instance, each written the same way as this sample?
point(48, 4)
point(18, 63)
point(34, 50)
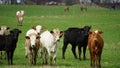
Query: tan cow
point(66, 8)
point(95, 44)
point(19, 15)
point(32, 46)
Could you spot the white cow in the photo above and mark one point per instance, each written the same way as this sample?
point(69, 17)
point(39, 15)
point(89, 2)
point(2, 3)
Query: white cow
point(35, 30)
point(19, 15)
point(3, 30)
point(49, 42)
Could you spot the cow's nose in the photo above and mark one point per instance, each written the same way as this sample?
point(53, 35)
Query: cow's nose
point(33, 46)
point(38, 33)
point(58, 40)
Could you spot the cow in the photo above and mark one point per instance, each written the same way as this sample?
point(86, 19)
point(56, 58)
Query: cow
point(83, 6)
point(32, 46)
point(36, 30)
point(8, 43)
point(19, 15)
point(95, 45)
point(76, 37)
point(3, 30)
point(66, 8)
point(49, 44)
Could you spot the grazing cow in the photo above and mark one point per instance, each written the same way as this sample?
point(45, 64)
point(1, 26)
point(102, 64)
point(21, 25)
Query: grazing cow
point(66, 8)
point(50, 43)
point(76, 36)
point(19, 15)
point(95, 44)
point(36, 30)
point(3, 30)
point(83, 6)
point(32, 47)
point(8, 43)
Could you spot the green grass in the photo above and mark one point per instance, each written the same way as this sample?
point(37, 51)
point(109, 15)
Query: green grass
point(54, 17)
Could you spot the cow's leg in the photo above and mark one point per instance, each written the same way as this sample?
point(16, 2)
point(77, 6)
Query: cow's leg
point(42, 55)
point(46, 57)
point(91, 59)
point(64, 49)
point(26, 55)
point(99, 65)
point(84, 52)
point(51, 58)
point(30, 58)
point(8, 57)
point(54, 57)
point(11, 59)
point(0, 54)
point(18, 22)
point(49, 53)
point(79, 51)
point(34, 57)
point(5, 54)
point(73, 50)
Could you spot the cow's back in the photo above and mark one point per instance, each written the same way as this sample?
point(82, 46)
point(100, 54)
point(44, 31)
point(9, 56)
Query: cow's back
point(46, 39)
point(73, 35)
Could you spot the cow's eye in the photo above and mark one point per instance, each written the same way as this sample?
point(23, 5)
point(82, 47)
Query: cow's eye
point(37, 37)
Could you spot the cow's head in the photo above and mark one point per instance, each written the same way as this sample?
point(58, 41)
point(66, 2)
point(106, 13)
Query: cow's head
point(15, 33)
point(4, 29)
point(86, 30)
point(33, 37)
point(38, 28)
point(22, 12)
point(57, 34)
point(95, 32)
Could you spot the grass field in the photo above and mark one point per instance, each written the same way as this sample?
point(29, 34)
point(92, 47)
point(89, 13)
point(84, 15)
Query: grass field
point(54, 17)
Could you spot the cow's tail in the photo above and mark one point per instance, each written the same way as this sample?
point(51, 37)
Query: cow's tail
point(96, 44)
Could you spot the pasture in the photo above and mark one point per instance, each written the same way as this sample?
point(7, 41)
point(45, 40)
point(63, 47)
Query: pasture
point(54, 17)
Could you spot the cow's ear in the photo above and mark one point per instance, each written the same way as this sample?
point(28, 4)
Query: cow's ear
point(43, 27)
point(8, 28)
point(61, 34)
point(100, 32)
point(34, 27)
point(90, 26)
point(90, 32)
point(20, 31)
point(27, 37)
point(11, 31)
point(38, 37)
point(82, 30)
point(51, 32)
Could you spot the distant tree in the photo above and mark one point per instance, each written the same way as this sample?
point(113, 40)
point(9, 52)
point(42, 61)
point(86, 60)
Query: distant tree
point(69, 2)
point(13, 1)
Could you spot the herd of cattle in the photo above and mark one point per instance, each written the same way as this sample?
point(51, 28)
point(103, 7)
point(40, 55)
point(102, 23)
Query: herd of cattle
point(48, 42)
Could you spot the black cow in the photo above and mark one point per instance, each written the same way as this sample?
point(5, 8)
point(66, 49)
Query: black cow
point(76, 36)
point(8, 43)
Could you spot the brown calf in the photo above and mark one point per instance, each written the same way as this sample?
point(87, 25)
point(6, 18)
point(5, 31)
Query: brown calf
point(66, 8)
point(95, 44)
